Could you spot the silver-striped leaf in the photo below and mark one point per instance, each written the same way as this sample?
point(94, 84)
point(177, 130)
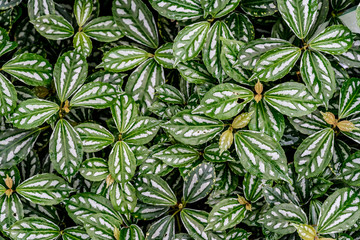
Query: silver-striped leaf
point(136, 21)
point(178, 9)
point(230, 6)
point(99, 226)
point(82, 44)
point(212, 7)
point(37, 8)
point(123, 198)
point(8, 96)
point(124, 112)
point(178, 155)
point(11, 210)
point(350, 169)
point(194, 72)
point(354, 134)
point(75, 233)
point(252, 187)
point(170, 94)
point(259, 9)
point(94, 169)
point(132, 232)
point(142, 131)
point(212, 154)
point(164, 56)
point(240, 26)
point(193, 129)
point(148, 212)
point(349, 98)
point(103, 29)
point(33, 113)
point(65, 149)
point(82, 11)
point(279, 194)
point(309, 124)
point(44, 189)
point(314, 153)
point(94, 137)
point(163, 229)
point(54, 27)
point(9, 4)
point(261, 155)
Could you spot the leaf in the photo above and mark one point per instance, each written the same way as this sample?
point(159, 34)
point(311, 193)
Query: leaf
point(94, 169)
point(178, 9)
point(299, 15)
point(147, 212)
point(153, 190)
point(7, 47)
point(75, 233)
point(15, 145)
point(82, 11)
point(279, 218)
point(226, 214)
point(253, 187)
point(170, 94)
point(354, 134)
point(279, 194)
point(8, 96)
point(249, 54)
point(261, 155)
point(54, 27)
point(212, 7)
point(164, 229)
point(275, 64)
point(44, 189)
point(65, 149)
point(29, 68)
point(193, 129)
point(314, 153)
point(267, 120)
point(224, 101)
point(259, 8)
point(178, 155)
point(124, 112)
point(122, 162)
point(194, 72)
point(9, 4)
point(82, 44)
point(37, 8)
point(230, 6)
point(212, 154)
point(339, 212)
point(240, 26)
point(291, 99)
point(350, 169)
point(189, 41)
point(199, 182)
point(70, 72)
point(123, 198)
point(94, 137)
point(34, 228)
point(99, 226)
point(164, 56)
point(349, 98)
point(237, 233)
point(136, 22)
point(33, 113)
point(103, 29)
point(335, 39)
point(133, 232)
point(309, 124)
point(318, 75)
point(11, 210)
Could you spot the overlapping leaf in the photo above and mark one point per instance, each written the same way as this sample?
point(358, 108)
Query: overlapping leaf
point(54, 27)
point(94, 137)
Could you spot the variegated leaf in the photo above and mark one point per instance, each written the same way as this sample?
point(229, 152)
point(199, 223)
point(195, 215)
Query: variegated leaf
point(82, 44)
point(224, 101)
point(94, 137)
point(136, 21)
point(122, 162)
point(11, 210)
point(29, 68)
point(37, 8)
point(123, 198)
point(70, 72)
point(54, 27)
point(65, 149)
point(261, 155)
point(253, 187)
point(279, 194)
point(178, 155)
point(124, 112)
point(259, 9)
point(82, 11)
point(164, 56)
point(237, 233)
point(318, 75)
point(230, 6)
point(349, 98)
point(193, 129)
point(142, 131)
point(178, 9)
point(314, 153)
point(170, 94)
point(194, 72)
point(9, 4)
point(213, 153)
point(350, 169)
point(309, 124)
point(147, 212)
point(8, 96)
point(212, 7)
point(291, 99)
point(75, 233)
point(33, 112)
point(99, 226)
point(103, 29)
point(94, 169)
point(132, 232)
point(163, 229)
point(189, 41)
point(354, 134)
point(240, 26)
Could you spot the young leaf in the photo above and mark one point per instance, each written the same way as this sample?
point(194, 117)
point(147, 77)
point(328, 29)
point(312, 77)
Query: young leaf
point(94, 137)
point(124, 112)
point(33, 112)
point(164, 229)
point(103, 29)
point(349, 98)
point(65, 149)
point(261, 155)
point(350, 169)
point(82, 44)
point(314, 153)
point(164, 56)
point(354, 134)
point(136, 22)
point(82, 11)
point(178, 9)
point(178, 155)
point(94, 169)
point(54, 27)
point(8, 96)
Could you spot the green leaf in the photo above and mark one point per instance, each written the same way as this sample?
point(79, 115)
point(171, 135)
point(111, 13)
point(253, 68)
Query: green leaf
point(82, 11)
point(122, 162)
point(34, 228)
point(94, 169)
point(279, 194)
point(15, 145)
point(82, 44)
point(314, 153)
point(164, 56)
point(70, 72)
point(354, 134)
point(11, 210)
point(249, 54)
point(193, 129)
point(29, 68)
point(291, 99)
point(267, 120)
point(349, 98)
point(136, 21)
point(194, 72)
point(275, 64)
point(6, 45)
point(103, 29)
point(94, 137)
point(318, 75)
point(237, 233)
point(75, 233)
point(178, 155)
point(142, 131)
point(65, 149)
point(350, 169)
point(259, 8)
point(37, 8)
point(212, 7)
point(279, 218)
point(231, 6)
point(123, 197)
point(212, 154)
point(99, 226)
point(299, 15)
point(240, 26)
point(320, 187)
point(309, 124)
point(132, 232)
point(339, 212)
point(147, 212)
point(253, 187)
point(199, 182)
point(9, 4)
point(170, 94)
point(189, 41)
point(226, 214)
point(164, 229)
point(178, 9)
point(124, 112)
point(33, 113)
point(335, 39)
point(261, 155)
point(54, 27)
point(8, 96)
point(224, 101)
point(44, 189)
point(152, 189)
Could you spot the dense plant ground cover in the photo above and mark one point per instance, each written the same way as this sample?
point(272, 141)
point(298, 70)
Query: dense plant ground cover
point(179, 119)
